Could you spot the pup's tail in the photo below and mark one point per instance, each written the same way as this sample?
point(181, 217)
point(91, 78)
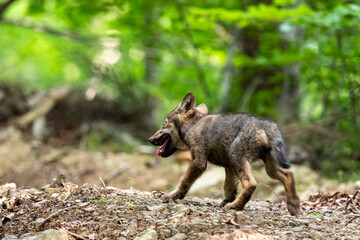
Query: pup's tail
point(278, 152)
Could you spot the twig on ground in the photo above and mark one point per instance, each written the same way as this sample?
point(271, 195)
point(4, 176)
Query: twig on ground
point(351, 200)
point(56, 214)
point(352, 219)
point(77, 236)
point(102, 181)
point(232, 222)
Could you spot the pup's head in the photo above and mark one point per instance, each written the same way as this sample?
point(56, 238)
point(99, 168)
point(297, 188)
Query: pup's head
point(168, 137)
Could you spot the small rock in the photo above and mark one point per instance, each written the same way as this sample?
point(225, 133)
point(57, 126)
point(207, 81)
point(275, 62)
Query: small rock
point(92, 236)
point(55, 195)
point(125, 233)
point(50, 234)
point(298, 229)
point(179, 236)
point(156, 207)
point(150, 235)
point(132, 227)
point(36, 205)
point(201, 235)
point(165, 232)
point(316, 235)
point(38, 222)
point(89, 209)
point(302, 221)
point(314, 226)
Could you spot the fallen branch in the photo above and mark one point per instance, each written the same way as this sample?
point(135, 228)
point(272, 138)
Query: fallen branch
point(352, 219)
point(43, 108)
point(54, 215)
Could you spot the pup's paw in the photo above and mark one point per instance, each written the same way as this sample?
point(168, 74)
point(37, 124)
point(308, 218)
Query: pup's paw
point(293, 206)
point(223, 203)
point(172, 196)
point(233, 206)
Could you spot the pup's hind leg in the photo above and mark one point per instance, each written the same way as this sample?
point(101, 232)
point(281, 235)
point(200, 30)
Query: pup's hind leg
point(285, 176)
point(230, 187)
point(242, 170)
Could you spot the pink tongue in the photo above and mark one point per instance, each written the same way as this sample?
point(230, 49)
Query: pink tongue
point(161, 149)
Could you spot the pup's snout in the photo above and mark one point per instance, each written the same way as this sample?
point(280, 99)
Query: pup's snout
point(150, 139)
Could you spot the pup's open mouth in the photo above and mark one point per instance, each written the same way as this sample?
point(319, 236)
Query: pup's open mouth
point(162, 148)
point(162, 141)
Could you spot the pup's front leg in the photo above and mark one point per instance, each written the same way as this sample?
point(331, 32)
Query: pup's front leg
point(196, 167)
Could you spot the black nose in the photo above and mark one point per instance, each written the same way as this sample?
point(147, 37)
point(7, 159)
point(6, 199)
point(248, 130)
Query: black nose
point(150, 140)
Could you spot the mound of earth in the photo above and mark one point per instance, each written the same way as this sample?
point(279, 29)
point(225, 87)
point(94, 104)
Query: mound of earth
point(68, 211)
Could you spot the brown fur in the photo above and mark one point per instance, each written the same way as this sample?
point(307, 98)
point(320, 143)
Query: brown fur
point(232, 141)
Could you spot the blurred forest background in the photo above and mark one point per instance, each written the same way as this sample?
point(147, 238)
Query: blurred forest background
point(83, 84)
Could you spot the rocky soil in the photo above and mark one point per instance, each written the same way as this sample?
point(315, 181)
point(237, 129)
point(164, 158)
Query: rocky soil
point(64, 210)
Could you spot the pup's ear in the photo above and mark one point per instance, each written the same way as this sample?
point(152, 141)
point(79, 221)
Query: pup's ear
point(187, 103)
point(202, 108)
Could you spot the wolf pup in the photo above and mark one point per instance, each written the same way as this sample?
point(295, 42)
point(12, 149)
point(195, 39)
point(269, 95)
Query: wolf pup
point(232, 141)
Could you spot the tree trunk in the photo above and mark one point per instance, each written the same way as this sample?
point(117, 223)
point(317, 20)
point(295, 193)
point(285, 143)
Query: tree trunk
point(228, 72)
point(150, 75)
point(288, 102)
point(4, 6)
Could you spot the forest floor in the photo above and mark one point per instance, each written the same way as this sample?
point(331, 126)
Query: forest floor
point(70, 211)
point(76, 208)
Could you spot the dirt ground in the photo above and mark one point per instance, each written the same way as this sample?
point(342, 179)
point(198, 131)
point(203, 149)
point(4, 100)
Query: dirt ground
point(92, 212)
point(76, 208)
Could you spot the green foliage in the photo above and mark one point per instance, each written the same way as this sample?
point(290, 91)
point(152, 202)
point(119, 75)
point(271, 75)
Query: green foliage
point(98, 202)
point(288, 60)
point(317, 214)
